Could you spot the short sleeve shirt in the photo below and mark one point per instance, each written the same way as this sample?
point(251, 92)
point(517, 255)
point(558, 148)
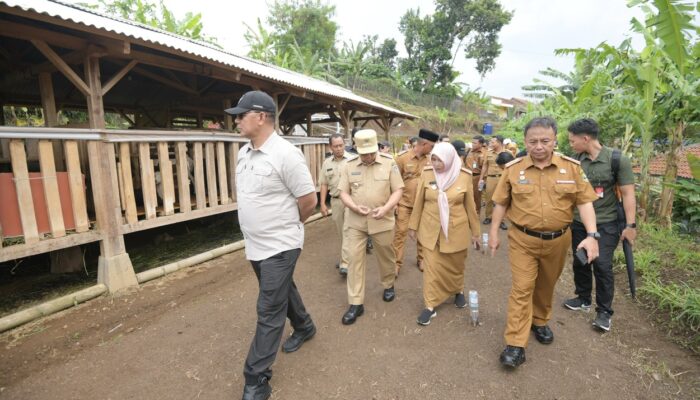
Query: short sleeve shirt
point(474, 161)
point(599, 172)
point(330, 173)
point(371, 186)
point(543, 199)
point(411, 167)
point(268, 182)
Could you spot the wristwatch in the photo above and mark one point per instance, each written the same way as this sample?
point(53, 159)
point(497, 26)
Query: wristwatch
point(633, 225)
point(594, 235)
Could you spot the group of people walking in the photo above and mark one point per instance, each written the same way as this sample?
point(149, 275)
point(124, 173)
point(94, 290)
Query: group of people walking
point(430, 193)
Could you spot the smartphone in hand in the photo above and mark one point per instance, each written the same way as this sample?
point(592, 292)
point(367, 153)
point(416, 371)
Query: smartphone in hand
point(581, 256)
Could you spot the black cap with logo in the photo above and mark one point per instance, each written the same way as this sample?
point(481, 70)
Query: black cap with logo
point(253, 101)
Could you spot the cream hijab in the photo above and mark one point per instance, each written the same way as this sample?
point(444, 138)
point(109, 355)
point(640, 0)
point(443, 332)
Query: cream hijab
point(445, 179)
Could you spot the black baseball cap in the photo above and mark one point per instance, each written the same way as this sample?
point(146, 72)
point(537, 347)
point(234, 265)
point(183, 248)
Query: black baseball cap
point(459, 146)
point(253, 101)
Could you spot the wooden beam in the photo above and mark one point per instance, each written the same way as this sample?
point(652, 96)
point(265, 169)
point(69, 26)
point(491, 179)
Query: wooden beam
point(165, 81)
point(118, 76)
point(64, 68)
point(48, 102)
point(53, 200)
point(24, 192)
point(228, 118)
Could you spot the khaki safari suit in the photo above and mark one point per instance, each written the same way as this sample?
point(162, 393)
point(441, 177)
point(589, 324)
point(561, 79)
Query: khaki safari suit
point(493, 174)
point(411, 168)
point(443, 273)
point(474, 162)
point(541, 200)
point(371, 186)
point(330, 176)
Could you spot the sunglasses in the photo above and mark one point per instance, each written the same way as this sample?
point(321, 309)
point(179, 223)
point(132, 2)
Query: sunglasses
point(242, 115)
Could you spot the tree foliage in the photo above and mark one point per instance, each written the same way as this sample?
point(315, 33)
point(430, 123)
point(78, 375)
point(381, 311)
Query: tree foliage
point(434, 41)
point(155, 15)
point(306, 23)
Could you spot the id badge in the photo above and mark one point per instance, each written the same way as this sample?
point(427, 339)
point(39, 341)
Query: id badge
point(474, 165)
point(600, 191)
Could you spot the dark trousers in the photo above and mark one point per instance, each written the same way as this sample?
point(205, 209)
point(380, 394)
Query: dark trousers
point(278, 299)
point(601, 267)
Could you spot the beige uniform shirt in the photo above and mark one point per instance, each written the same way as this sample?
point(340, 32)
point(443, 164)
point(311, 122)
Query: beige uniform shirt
point(543, 199)
point(411, 168)
point(330, 173)
point(370, 186)
point(464, 222)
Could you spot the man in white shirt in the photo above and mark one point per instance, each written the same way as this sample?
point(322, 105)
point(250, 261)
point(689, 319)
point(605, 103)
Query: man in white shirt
point(275, 195)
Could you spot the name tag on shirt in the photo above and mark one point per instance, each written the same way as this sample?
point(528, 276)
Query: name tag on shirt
point(570, 182)
point(356, 173)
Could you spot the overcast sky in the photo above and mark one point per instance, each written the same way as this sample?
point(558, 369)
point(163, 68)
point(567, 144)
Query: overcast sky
point(538, 28)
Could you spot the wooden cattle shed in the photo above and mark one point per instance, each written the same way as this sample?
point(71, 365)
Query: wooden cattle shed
point(68, 185)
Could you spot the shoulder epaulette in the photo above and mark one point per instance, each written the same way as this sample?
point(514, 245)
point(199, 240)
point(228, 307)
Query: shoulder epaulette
point(402, 153)
point(428, 168)
point(353, 157)
point(517, 160)
point(573, 160)
point(468, 171)
point(386, 155)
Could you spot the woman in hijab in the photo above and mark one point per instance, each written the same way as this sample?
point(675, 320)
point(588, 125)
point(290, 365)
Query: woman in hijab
point(445, 222)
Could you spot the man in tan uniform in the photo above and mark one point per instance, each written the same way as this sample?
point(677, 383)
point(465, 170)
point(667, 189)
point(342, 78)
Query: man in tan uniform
point(370, 186)
point(539, 192)
point(330, 176)
point(411, 163)
point(490, 175)
point(475, 162)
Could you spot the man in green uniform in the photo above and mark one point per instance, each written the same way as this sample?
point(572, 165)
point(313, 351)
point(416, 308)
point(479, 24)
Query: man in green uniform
point(330, 176)
point(596, 161)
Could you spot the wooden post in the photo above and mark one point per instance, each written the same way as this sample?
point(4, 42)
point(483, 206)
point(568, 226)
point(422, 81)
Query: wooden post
point(183, 177)
point(228, 119)
point(308, 124)
point(24, 192)
point(53, 201)
point(114, 266)
point(166, 177)
point(48, 104)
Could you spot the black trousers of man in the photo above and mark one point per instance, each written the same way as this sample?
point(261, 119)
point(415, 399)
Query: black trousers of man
point(278, 299)
point(601, 267)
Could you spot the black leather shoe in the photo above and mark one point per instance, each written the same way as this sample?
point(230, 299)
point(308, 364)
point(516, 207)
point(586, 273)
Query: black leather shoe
point(512, 356)
point(389, 294)
point(261, 391)
point(503, 226)
point(294, 342)
point(487, 221)
point(543, 334)
point(353, 312)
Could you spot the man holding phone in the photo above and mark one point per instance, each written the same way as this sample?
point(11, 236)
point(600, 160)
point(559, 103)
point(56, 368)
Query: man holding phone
point(540, 192)
point(597, 162)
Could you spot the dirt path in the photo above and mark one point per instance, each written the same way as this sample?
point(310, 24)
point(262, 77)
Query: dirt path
point(186, 337)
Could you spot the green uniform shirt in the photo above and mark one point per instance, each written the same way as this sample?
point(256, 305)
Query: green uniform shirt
point(599, 173)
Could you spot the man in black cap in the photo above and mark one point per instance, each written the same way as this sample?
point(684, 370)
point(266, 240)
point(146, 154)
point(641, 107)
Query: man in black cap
point(275, 195)
point(411, 163)
point(461, 149)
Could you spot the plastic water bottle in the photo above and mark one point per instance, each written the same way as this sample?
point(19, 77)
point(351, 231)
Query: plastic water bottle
point(484, 243)
point(474, 307)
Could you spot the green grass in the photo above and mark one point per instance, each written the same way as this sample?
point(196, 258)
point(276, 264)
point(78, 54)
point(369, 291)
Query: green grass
point(669, 280)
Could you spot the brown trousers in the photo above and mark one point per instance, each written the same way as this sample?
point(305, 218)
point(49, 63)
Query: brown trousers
point(356, 242)
point(403, 215)
point(338, 217)
point(535, 266)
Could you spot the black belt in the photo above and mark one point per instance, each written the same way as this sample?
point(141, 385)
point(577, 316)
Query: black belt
point(335, 197)
point(494, 175)
point(541, 235)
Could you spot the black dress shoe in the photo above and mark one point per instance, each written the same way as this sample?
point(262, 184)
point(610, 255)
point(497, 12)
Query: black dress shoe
point(503, 226)
point(295, 341)
point(512, 356)
point(389, 294)
point(353, 312)
point(261, 391)
point(487, 221)
point(543, 334)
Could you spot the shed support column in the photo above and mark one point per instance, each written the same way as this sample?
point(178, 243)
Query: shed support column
point(228, 119)
point(309, 124)
point(114, 267)
point(48, 104)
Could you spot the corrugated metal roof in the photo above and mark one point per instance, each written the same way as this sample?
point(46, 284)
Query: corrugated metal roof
point(130, 29)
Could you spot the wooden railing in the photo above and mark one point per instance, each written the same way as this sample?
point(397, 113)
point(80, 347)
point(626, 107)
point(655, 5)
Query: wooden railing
point(162, 177)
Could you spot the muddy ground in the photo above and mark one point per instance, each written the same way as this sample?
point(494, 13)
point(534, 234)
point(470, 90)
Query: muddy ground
point(186, 336)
